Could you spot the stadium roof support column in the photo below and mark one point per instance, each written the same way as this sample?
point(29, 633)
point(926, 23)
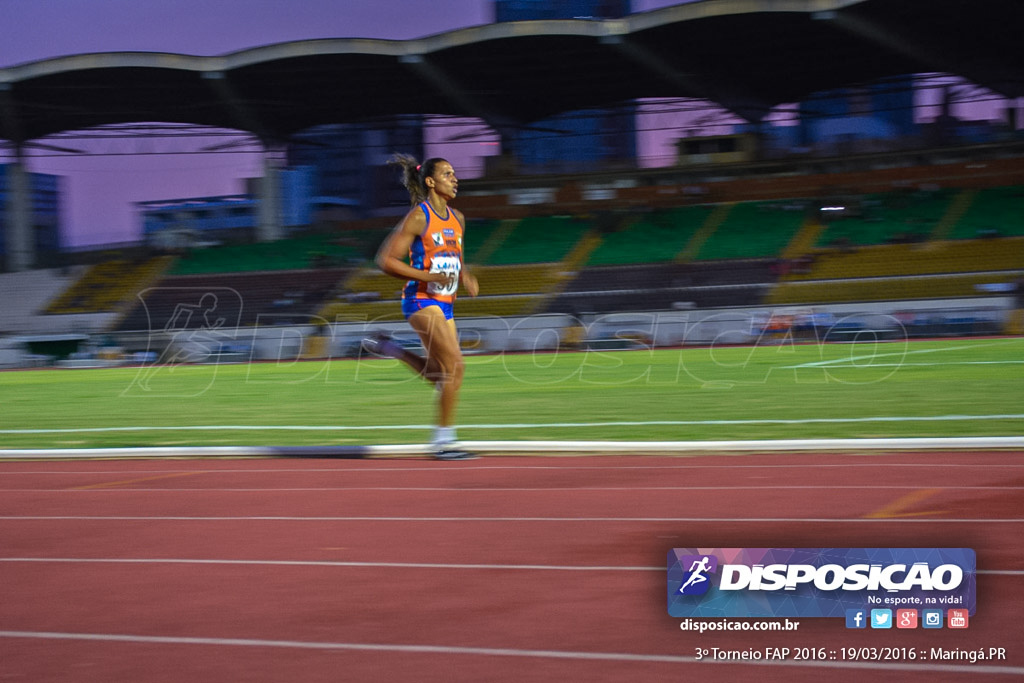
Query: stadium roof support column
point(268, 228)
point(20, 247)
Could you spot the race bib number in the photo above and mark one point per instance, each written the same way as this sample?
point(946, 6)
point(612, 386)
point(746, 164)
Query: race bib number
point(445, 264)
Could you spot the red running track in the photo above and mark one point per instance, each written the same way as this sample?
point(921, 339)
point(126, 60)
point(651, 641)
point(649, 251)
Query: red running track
point(501, 569)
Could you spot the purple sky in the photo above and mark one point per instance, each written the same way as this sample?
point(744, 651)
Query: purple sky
point(100, 190)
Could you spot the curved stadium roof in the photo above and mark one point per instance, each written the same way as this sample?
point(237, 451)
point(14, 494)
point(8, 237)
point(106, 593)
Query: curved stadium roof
point(747, 55)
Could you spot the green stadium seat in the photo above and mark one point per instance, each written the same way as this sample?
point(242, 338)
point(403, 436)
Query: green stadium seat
point(654, 238)
point(754, 230)
point(997, 211)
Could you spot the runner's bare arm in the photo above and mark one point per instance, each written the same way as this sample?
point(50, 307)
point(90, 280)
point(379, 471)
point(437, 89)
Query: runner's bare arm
point(392, 253)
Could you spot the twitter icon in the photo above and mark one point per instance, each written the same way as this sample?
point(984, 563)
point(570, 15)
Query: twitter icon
point(881, 618)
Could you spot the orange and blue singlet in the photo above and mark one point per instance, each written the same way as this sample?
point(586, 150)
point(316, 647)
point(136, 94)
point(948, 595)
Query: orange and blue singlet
point(438, 249)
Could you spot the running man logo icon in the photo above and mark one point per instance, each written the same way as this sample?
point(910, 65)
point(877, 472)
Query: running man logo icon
point(696, 580)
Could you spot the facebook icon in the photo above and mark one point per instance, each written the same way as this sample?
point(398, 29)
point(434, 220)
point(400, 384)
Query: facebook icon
point(856, 618)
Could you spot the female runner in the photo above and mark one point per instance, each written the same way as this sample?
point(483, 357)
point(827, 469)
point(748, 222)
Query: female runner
point(425, 249)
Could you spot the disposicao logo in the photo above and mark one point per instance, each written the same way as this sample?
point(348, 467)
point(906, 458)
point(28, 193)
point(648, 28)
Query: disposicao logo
point(696, 581)
point(817, 582)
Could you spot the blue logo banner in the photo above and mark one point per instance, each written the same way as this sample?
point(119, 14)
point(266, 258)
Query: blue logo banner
point(818, 582)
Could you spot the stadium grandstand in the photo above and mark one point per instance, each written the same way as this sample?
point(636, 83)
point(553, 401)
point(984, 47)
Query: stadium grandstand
point(736, 223)
point(927, 239)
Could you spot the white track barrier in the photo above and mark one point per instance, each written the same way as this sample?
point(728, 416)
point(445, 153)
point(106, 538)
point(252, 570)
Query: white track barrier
point(534, 447)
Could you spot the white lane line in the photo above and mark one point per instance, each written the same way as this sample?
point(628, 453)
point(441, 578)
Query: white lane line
point(901, 354)
point(327, 563)
point(690, 520)
point(871, 366)
point(509, 489)
point(374, 565)
point(365, 467)
point(527, 425)
point(964, 670)
point(787, 446)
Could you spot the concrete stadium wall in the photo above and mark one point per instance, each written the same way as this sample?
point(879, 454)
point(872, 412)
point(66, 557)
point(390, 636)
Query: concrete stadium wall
point(544, 332)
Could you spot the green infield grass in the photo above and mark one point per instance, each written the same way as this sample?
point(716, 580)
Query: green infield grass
point(960, 387)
